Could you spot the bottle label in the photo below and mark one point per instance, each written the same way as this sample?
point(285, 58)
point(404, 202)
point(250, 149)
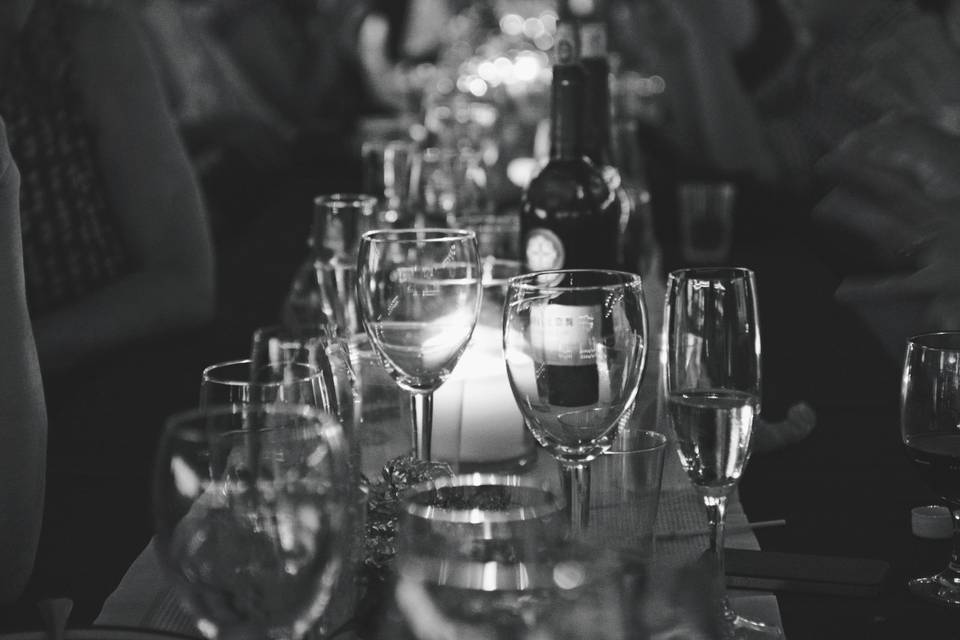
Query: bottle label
point(593, 40)
point(564, 335)
point(544, 250)
point(565, 49)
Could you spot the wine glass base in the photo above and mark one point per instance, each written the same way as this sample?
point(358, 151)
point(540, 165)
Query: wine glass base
point(935, 589)
point(736, 627)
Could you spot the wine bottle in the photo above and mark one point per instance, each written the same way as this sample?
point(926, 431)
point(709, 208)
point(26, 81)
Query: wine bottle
point(624, 172)
point(569, 218)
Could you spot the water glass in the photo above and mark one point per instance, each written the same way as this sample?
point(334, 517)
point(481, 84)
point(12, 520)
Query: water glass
point(625, 494)
point(487, 556)
point(387, 167)
point(251, 505)
point(239, 382)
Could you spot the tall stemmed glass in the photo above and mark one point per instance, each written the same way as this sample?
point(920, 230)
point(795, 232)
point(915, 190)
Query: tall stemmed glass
point(419, 293)
point(251, 505)
point(929, 410)
point(710, 380)
point(575, 345)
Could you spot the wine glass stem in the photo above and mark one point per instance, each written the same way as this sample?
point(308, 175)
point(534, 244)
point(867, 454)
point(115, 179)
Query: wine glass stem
point(716, 517)
point(576, 489)
point(421, 410)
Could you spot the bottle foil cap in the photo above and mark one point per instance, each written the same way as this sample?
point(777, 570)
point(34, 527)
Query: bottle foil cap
point(933, 522)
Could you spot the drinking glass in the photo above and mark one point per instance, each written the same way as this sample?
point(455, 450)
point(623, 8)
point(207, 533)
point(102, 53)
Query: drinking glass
point(450, 187)
point(250, 507)
point(710, 383)
point(387, 167)
point(575, 345)
point(419, 293)
point(929, 407)
point(317, 347)
point(487, 556)
point(238, 382)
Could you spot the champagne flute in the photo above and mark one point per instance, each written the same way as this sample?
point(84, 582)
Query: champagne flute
point(575, 345)
point(929, 406)
point(250, 507)
point(419, 293)
point(710, 381)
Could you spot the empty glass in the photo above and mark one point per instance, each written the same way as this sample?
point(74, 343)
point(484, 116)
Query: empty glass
point(575, 344)
point(250, 507)
point(238, 382)
point(419, 293)
point(387, 166)
point(450, 188)
point(327, 354)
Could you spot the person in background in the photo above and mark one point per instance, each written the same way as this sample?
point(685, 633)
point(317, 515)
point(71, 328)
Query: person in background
point(115, 240)
point(892, 226)
point(824, 87)
point(267, 94)
point(23, 426)
point(118, 274)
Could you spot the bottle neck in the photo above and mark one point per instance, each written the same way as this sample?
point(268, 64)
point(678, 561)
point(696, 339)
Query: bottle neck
point(566, 136)
point(596, 134)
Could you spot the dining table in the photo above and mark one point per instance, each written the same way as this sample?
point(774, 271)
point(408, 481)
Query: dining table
point(845, 491)
point(147, 599)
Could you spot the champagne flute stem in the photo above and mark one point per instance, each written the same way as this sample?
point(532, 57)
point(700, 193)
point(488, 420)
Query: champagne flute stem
point(421, 410)
point(717, 517)
point(575, 478)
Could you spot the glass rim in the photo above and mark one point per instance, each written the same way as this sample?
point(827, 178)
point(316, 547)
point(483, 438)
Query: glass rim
point(309, 333)
point(523, 281)
point(660, 444)
point(710, 273)
point(926, 340)
point(435, 234)
point(471, 516)
point(223, 410)
point(233, 382)
point(343, 200)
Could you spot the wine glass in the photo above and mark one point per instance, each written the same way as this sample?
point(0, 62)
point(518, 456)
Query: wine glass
point(419, 293)
point(251, 505)
point(929, 411)
point(710, 386)
point(575, 345)
point(243, 382)
point(487, 556)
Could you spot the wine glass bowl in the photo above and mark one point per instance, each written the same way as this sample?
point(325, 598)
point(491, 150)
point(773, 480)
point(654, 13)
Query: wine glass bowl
point(250, 503)
point(420, 293)
point(929, 415)
point(575, 346)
